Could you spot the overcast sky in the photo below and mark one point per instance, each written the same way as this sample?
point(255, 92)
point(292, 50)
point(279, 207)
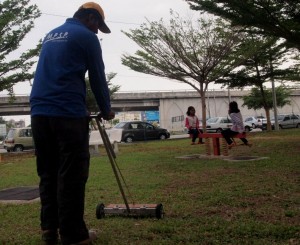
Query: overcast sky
point(119, 15)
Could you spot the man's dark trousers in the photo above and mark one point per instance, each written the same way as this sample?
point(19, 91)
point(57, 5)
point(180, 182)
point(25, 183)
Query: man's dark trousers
point(62, 152)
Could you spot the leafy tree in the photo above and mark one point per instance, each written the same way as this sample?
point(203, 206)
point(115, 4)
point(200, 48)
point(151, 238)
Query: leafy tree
point(115, 121)
point(265, 65)
point(16, 20)
point(255, 100)
point(278, 18)
point(112, 88)
point(2, 120)
point(195, 53)
point(90, 99)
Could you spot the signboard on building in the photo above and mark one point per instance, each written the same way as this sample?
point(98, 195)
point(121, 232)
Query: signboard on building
point(152, 116)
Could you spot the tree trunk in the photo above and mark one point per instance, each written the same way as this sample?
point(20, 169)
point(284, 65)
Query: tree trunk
point(203, 107)
point(267, 109)
point(269, 126)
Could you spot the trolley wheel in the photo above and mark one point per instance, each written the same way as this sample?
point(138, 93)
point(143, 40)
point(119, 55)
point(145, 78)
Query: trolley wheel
point(100, 211)
point(159, 211)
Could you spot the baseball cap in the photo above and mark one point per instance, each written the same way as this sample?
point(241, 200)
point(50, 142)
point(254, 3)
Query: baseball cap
point(91, 5)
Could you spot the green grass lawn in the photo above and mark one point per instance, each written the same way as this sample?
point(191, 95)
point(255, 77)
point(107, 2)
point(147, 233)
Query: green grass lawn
point(206, 201)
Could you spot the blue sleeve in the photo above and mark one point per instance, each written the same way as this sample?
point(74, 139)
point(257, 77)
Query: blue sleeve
point(97, 76)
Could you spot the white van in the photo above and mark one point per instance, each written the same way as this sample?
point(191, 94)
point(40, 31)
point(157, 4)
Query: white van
point(18, 139)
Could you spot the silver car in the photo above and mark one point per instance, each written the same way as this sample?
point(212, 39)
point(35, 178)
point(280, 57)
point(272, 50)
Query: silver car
point(217, 124)
point(254, 122)
point(18, 139)
point(287, 121)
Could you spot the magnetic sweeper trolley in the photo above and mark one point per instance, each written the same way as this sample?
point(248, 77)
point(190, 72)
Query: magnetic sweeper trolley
point(140, 210)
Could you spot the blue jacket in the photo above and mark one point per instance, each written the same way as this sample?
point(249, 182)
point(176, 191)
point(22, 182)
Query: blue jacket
point(59, 84)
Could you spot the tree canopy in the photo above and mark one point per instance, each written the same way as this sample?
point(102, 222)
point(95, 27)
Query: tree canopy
point(254, 100)
point(271, 61)
point(16, 20)
point(279, 18)
point(91, 102)
point(196, 53)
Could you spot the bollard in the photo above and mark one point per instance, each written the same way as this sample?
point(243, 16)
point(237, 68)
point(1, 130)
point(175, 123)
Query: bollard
point(116, 147)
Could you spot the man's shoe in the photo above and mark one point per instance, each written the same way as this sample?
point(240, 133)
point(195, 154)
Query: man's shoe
point(193, 143)
point(200, 143)
point(90, 240)
point(50, 237)
point(231, 145)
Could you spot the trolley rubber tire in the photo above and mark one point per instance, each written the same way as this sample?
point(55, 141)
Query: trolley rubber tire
point(100, 211)
point(159, 211)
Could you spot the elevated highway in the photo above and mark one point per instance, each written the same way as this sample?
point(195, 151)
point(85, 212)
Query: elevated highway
point(124, 101)
point(20, 105)
point(172, 105)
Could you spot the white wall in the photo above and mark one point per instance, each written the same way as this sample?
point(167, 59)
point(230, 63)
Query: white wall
point(217, 106)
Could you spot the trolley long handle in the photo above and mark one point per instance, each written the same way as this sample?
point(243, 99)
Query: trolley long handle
point(112, 156)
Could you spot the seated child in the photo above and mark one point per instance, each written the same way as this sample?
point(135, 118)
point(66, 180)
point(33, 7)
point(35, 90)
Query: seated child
point(237, 125)
point(192, 124)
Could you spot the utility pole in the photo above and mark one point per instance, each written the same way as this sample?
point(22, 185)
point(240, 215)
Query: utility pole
point(208, 106)
point(229, 95)
point(274, 96)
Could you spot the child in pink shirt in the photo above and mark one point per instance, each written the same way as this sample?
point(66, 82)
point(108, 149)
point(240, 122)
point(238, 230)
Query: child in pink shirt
point(193, 125)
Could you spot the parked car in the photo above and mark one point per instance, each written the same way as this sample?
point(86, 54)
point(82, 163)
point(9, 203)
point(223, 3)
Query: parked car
point(137, 130)
point(254, 122)
point(284, 121)
point(217, 124)
point(18, 139)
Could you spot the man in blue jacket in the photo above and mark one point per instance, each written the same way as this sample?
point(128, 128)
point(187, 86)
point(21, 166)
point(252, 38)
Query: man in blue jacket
point(60, 121)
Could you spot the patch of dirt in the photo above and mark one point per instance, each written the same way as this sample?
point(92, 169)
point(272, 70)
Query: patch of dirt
point(232, 158)
point(245, 158)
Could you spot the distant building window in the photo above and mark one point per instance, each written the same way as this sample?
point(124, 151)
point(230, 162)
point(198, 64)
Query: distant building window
point(178, 118)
